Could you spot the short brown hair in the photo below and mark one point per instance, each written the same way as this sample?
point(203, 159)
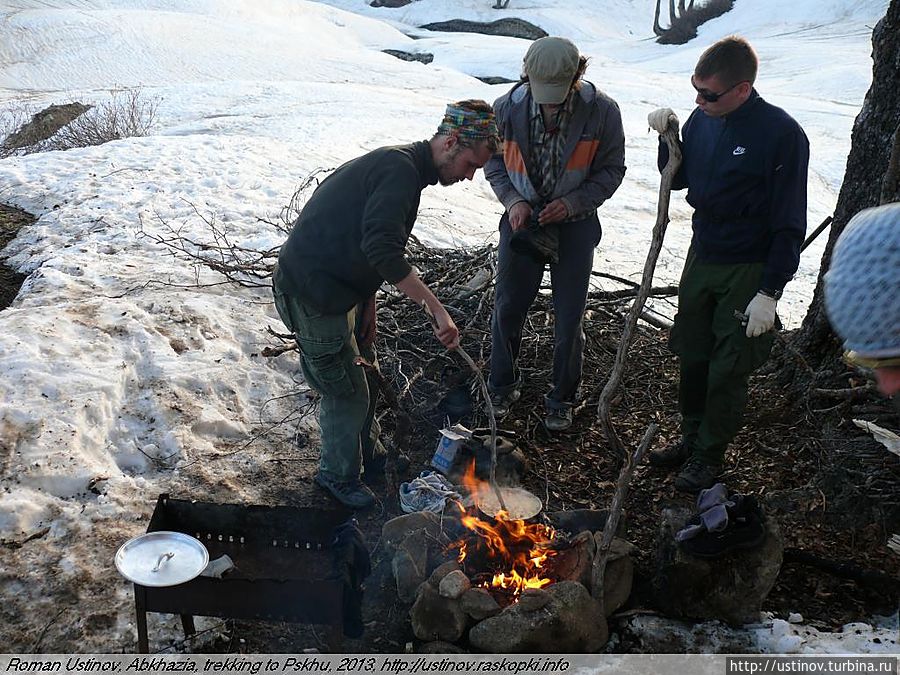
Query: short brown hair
point(731, 59)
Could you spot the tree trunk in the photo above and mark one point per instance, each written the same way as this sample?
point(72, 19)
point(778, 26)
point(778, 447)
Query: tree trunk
point(657, 29)
point(872, 141)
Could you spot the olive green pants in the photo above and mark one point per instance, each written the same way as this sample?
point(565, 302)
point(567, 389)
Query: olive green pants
point(328, 347)
point(716, 356)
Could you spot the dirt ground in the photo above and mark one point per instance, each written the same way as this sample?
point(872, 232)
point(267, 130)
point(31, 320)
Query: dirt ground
point(834, 490)
point(804, 459)
point(10, 281)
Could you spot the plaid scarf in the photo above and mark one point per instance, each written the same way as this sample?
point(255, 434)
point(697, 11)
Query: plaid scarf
point(547, 146)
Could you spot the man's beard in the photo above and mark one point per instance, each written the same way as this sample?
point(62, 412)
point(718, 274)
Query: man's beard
point(442, 167)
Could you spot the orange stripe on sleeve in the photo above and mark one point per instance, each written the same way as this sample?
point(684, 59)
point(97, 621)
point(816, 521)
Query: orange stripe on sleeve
point(513, 159)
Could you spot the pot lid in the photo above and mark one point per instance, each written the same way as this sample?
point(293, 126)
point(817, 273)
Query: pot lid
point(161, 558)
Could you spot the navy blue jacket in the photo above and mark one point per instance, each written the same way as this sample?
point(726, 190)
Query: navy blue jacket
point(746, 179)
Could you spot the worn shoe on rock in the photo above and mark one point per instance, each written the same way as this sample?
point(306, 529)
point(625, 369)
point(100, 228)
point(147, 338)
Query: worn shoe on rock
point(503, 402)
point(558, 419)
point(745, 528)
point(672, 455)
point(696, 476)
point(351, 493)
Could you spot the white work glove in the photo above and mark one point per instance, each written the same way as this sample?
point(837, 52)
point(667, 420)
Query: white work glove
point(760, 315)
point(660, 119)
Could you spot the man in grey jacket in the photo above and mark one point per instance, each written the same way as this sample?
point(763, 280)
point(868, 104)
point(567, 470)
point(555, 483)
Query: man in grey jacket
point(350, 238)
point(563, 156)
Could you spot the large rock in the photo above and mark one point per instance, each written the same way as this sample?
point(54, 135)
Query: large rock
point(454, 585)
point(618, 577)
point(421, 57)
point(575, 563)
point(518, 28)
point(410, 566)
point(533, 599)
point(442, 570)
point(731, 587)
point(44, 124)
point(435, 618)
point(451, 529)
point(571, 622)
point(479, 603)
point(394, 531)
point(494, 79)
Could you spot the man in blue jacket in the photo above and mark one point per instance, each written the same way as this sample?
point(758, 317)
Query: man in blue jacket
point(350, 238)
point(745, 166)
point(563, 156)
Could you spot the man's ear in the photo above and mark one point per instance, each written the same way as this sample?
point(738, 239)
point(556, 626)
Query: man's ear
point(450, 141)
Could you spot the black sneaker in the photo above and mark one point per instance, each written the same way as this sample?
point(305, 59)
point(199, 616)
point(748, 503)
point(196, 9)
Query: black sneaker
point(351, 493)
point(670, 456)
point(697, 475)
point(746, 530)
point(558, 419)
point(503, 402)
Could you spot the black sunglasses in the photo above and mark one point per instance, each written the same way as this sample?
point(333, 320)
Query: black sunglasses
point(711, 96)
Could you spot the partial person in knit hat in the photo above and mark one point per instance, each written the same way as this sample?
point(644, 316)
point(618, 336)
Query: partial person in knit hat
point(351, 237)
point(563, 156)
point(862, 293)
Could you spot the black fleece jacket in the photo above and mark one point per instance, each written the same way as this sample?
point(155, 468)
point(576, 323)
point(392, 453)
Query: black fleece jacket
point(351, 235)
point(746, 179)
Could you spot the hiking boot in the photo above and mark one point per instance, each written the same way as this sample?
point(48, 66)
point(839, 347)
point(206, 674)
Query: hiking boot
point(503, 402)
point(670, 456)
point(351, 493)
point(697, 475)
point(558, 419)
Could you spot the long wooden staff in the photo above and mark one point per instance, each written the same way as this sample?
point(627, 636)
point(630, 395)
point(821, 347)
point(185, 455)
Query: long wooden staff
point(659, 230)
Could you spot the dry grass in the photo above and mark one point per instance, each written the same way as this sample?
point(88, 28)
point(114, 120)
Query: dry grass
point(126, 113)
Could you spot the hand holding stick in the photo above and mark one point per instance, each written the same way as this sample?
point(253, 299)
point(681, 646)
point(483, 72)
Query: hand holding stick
point(487, 397)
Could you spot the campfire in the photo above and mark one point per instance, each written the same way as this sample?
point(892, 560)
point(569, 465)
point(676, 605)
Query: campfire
point(504, 584)
point(505, 556)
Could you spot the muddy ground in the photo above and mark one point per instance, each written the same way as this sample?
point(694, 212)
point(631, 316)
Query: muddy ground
point(10, 221)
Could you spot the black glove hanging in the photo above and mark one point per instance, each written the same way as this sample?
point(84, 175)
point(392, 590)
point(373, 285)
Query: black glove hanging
point(541, 242)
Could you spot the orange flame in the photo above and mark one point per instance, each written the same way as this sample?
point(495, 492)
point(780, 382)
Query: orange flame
point(519, 549)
